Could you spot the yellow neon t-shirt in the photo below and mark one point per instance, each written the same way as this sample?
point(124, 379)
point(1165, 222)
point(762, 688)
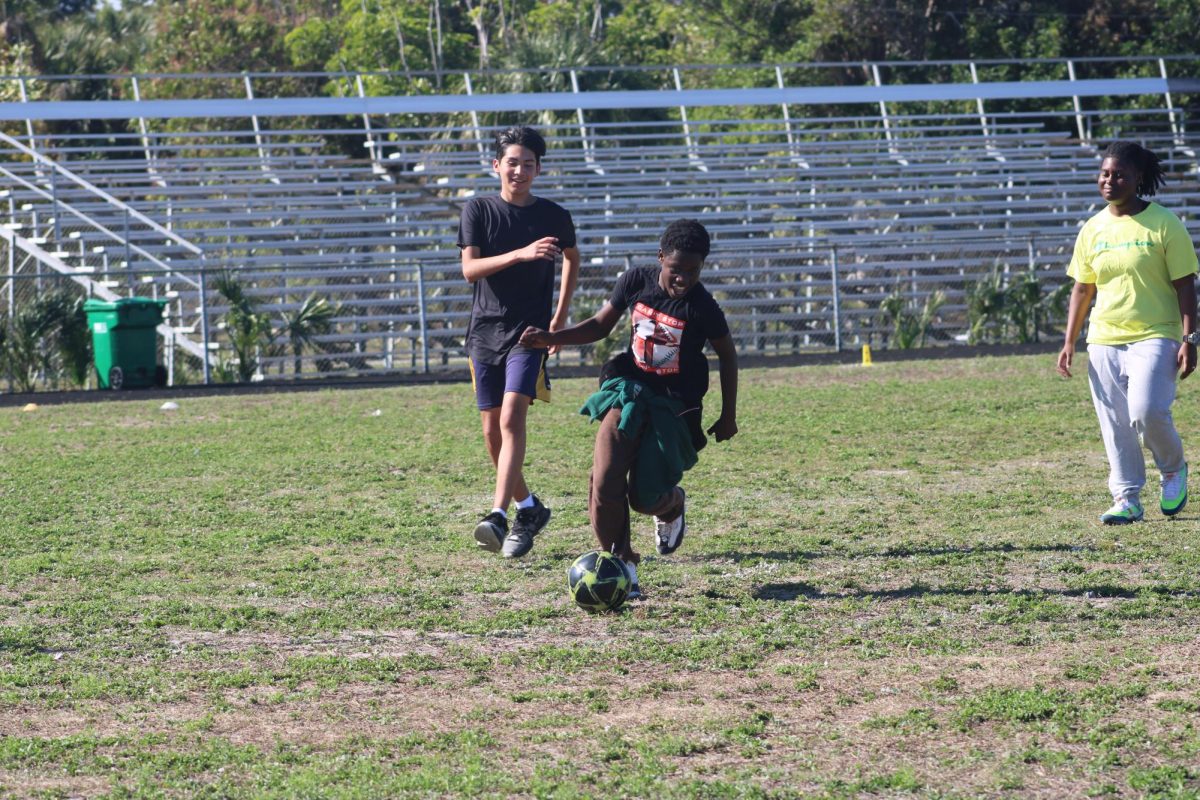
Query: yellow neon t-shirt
point(1132, 261)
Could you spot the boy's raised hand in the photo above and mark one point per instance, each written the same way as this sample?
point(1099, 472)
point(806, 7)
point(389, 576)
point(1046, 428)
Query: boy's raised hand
point(546, 247)
point(535, 338)
point(724, 428)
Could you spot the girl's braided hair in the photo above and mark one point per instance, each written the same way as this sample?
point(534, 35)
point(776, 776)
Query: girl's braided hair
point(1141, 159)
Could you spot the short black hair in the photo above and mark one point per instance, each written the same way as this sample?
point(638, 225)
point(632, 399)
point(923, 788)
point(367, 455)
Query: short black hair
point(686, 236)
point(522, 135)
point(1141, 159)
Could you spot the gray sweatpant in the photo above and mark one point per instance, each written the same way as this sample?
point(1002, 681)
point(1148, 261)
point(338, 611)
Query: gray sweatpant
point(1133, 386)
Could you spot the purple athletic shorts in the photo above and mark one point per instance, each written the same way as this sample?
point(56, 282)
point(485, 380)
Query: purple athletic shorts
point(521, 372)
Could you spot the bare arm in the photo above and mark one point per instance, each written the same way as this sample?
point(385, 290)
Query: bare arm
point(566, 288)
point(475, 266)
point(726, 425)
point(1185, 290)
point(1081, 300)
point(592, 329)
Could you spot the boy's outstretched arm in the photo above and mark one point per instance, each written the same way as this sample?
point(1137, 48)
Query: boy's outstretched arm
point(726, 425)
point(592, 329)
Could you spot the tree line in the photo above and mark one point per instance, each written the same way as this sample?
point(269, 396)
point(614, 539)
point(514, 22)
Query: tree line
point(413, 37)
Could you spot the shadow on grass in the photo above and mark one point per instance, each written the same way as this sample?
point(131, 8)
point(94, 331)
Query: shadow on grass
point(795, 590)
point(901, 551)
point(1170, 520)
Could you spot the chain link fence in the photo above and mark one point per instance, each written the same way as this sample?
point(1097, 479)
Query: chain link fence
point(411, 317)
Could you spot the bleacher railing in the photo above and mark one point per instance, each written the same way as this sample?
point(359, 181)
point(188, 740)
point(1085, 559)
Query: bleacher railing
point(841, 214)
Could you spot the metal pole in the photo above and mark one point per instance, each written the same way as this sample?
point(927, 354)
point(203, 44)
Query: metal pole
point(54, 207)
point(12, 279)
point(983, 120)
point(264, 156)
point(128, 255)
point(11, 251)
point(837, 306)
point(204, 327)
point(1176, 126)
point(589, 150)
point(151, 159)
point(1075, 100)
point(372, 146)
point(692, 150)
point(389, 348)
point(886, 118)
point(483, 156)
point(787, 122)
point(421, 317)
point(24, 95)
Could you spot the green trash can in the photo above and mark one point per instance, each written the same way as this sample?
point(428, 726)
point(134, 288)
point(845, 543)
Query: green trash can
point(125, 342)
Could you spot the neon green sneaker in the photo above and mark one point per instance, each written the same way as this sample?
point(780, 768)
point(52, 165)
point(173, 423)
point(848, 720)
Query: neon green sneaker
point(1122, 512)
point(1174, 492)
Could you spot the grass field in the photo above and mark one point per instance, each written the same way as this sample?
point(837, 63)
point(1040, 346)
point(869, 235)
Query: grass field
point(894, 585)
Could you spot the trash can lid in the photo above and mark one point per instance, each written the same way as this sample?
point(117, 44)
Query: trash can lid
point(92, 304)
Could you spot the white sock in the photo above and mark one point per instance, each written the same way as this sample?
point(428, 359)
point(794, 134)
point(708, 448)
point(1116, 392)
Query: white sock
point(501, 512)
point(528, 502)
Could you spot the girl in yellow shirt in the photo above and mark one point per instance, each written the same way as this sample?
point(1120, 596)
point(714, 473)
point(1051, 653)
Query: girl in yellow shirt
point(1136, 260)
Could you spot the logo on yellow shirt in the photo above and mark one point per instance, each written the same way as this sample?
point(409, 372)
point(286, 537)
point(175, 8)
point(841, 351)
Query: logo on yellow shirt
point(1103, 245)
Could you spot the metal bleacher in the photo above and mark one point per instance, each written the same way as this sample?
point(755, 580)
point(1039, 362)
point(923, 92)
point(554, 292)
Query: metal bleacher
point(818, 211)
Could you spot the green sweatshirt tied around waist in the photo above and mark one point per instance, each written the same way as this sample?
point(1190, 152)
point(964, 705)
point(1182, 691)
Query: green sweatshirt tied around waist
point(666, 449)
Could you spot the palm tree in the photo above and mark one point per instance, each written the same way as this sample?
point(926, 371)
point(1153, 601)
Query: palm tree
point(248, 329)
point(301, 326)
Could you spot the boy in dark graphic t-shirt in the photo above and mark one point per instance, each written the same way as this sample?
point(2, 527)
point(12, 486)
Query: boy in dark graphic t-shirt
point(509, 245)
point(664, 375)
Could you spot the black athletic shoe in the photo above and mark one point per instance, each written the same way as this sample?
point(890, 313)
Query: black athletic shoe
point(635, 590)
point(530, 522)
point(490, 532)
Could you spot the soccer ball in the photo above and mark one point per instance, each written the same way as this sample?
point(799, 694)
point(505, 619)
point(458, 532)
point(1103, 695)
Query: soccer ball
point(599, 581)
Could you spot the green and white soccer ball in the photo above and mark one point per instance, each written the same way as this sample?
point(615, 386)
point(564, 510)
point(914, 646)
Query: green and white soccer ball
point(599, 581)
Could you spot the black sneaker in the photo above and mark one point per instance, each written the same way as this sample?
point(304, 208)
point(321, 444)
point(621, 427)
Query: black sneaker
point(635, 590)
point(530, 522)
point(490, 532)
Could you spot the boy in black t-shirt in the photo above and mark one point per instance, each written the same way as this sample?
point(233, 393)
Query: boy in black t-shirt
point(509, 245)
point(672, 317)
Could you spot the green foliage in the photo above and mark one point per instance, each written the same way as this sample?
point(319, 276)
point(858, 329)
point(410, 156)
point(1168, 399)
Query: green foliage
point(221, 36)
point(408, 36)
point(108, 41)
point(910, 327)
point(647, 32)
point(400, 36)
point(1014, 705)
point(249, 330)
point(215, 36)
point(46, 339)
point(554, 37)
point(299, 327)
point(1012, 307)
point(407, 47)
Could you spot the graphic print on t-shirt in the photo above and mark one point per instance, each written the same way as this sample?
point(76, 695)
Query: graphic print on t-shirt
point(656, 340)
